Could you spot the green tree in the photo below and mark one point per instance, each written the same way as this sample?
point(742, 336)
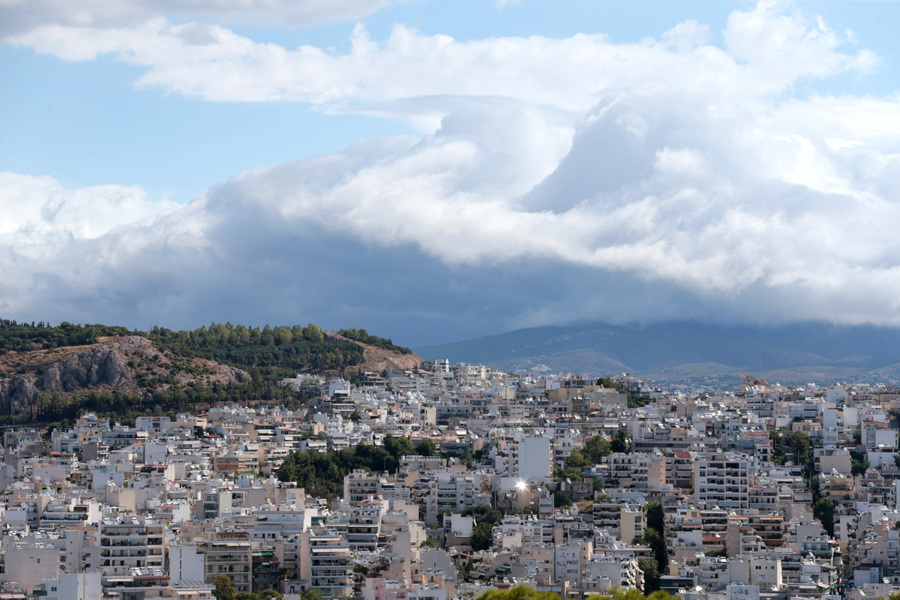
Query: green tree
point(313, 333)
point(823, 510)
point(311, 594)
point(596, 448)
point(618, 593)
point(484, 513)
point(575, 466)
point(520, 592)
point(562, 499)
point(224, 589)
point(656, 518)
point(282, 335)
point(426, 447)
point(651, 574)
point(620, 442)
point(657, 543)
point(859, 462)
point(482, 536)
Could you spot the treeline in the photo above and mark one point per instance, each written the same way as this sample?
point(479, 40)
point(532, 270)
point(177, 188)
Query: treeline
point(521, 592)
point(53, 407)
point(26, 337)
point(361, 335)
point(323, 475)
point(289, 348)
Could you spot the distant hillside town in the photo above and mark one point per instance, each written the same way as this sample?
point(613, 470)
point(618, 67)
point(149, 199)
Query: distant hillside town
point(449, 480)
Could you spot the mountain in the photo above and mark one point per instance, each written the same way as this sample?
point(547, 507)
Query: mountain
point(689, 351)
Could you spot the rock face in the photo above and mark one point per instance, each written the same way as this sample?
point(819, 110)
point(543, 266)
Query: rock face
point(113, 364)
point(377, 359)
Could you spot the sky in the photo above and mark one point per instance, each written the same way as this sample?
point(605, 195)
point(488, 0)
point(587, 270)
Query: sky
point(435, 171)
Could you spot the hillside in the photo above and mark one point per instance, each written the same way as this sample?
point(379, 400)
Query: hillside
point(48, 373)
point(128, 365)
point(688, 351)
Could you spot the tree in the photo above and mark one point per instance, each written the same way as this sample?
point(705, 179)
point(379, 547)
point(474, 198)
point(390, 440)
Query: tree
point(576, 462)
point(485, 517)
point(656, 517)
point(651, 574)
point(621, 443)
point(859, 462)
point(224, 589)
point(562, 499)
point(397, 447)
point(482, 536)
point(823, 509)
point(426, 447)
point(282, 335)
point(484, 513)
point(657, 543)
point(311, 594)
point(618, 593)
point(520, 592)
point(313, 333)
point(596, 448)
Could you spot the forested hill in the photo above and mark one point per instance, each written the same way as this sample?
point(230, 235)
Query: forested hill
point(282, 347)
point(49, 372)
point(294, 348)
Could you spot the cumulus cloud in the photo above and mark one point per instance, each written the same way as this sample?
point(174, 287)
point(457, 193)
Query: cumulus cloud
point(41, 216)
point(214, 63)
point(19, 16)
point(724, 215)
point(562, 180)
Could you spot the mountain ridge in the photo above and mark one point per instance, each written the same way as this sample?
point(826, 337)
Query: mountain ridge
point(662, 349)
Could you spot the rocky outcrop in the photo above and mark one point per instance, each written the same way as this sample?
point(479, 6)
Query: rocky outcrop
point(113, 364)
point(376, 360)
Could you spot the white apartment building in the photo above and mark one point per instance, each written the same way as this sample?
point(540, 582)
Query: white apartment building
point(130, 542)
point(326, 564)
point(723, 479)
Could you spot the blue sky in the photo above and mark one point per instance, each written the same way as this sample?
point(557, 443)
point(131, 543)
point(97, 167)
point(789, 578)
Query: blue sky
point(433, 171)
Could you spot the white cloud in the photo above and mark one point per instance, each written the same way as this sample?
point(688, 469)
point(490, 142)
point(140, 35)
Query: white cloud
point(19, 16)
point(729, 212)
point(42, 217)
point(214, 63)
point(564, 179)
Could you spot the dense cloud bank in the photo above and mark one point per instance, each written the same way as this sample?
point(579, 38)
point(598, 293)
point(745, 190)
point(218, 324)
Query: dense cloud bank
point(554, 180)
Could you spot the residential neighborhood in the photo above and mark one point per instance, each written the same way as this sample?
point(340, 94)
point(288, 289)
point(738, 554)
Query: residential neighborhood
point(451, 479)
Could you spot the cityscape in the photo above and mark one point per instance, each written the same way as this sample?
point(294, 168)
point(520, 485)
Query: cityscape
point(449, 480)
point(637, 261)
